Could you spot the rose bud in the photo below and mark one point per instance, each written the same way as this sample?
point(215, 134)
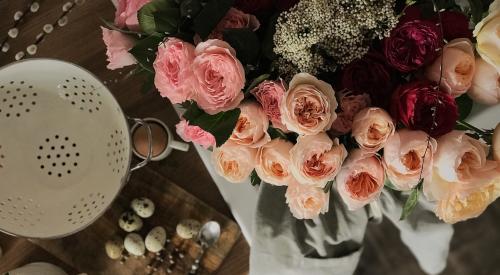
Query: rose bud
point(270, 94)
point(251, 127)
point(234, 162)
point(194, 134)
point(485, 87)
point(350, 105)
point(306, 202)
point(126, 13)
point(273, 162)
point(371, 128)
point(234, 19)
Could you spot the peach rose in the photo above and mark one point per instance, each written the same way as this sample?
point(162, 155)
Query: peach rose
point(316, 160)
point(234, 19)
point(174, 77)
point(195, 134)
point(117, 47)
point(273, 162)
point(485, 84)
point(251, 128)
point(234, 162)
point(269, 94)
point(458, 67)
point(350, 105)
point(309, 105)
point(220, 76)
point(403, 155)
point(126, 13)
point(371, 128)
point(488, 36)
point(460, 167)
point(361, 179)
point(306, 202)
point(496, 143)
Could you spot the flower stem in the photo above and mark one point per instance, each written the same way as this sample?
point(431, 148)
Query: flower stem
point(471, 127)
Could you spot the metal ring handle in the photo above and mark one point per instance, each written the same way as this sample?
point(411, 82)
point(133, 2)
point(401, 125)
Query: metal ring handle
point(149, 156)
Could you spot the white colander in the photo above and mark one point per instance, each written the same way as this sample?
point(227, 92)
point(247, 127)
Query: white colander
point(65, 148)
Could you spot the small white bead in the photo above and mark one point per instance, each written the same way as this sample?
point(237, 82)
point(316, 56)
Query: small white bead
point(79, 2)
point(13, 32)
point(31, 49)
point(62, 21)
point(34, 7)
point(5, 47)
point(18, 15)
point(19, 55)
point(48, 28)
point(67, 6)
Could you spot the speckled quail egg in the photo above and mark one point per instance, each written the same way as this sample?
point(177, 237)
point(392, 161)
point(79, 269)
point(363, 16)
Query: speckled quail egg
point(134, 244)
point(143, 207)
point(188, 229)
point(156, 238)
point(114, 248)
point(130, 222)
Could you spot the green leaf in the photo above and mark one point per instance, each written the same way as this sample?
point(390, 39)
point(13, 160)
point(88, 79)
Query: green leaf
point(144, 51)
point(328, 186)
point(268, 40)
point(245, 42)
point(167, 21)
point(255, 179)
point(220, 125)
point(190, 8)
point(256, 82)
point(112, 26)
point(411, 202)
point(464, 103)
point(210, 16)
point(276, 133)
point(476, 10)
point(151, 16)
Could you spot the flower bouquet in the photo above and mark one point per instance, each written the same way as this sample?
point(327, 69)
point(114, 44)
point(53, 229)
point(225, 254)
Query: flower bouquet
point(319, 94)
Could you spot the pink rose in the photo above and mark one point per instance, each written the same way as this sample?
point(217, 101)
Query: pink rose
point(220, 77)
point(174, 77)
point(251, 128)
point(485, 84)
point(361, 179)
point(350, 105)
point(308, 107)
point(458, 67)
point(126, 13)
point(234, 162)
point(306, 202)
point(371, 128)
point(118, 45)
point(195, 134)
point(234, 19)
point(316, 160)
point(403, 155)
point(273, 162)
point(269, 94)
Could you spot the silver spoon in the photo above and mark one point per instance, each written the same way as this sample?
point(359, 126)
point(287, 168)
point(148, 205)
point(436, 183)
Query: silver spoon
point(208, 236)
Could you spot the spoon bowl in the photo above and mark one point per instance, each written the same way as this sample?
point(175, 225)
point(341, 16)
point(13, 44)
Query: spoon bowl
point(209, 233)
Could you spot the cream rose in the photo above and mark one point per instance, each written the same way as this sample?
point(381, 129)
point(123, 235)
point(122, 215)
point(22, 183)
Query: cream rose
point(234, 162)
point(273, 162)
point(251, 128)
point(309, 105)
point(306, 202)
point(403, 158)
point(371, 128)
point(361, 179)
point(488, 36)
point(315, 160)
point(485, 87)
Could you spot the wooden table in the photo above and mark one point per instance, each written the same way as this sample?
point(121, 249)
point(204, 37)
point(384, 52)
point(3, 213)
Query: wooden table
point(80, 42)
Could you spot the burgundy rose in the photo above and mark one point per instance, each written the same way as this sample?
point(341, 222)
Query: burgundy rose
point(455, 25)
point(412, 45)
point(415, 103)
point(254, 6)
point(370, 75)
point(284, 5)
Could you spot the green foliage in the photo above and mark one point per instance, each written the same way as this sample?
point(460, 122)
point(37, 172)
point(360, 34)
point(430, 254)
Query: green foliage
point(255, 179)
point(328, 186)
point(144, 51)
point(256, 82)
point(412, 201)
point(276, 133)
point(464, 103)
point(245, 42)
point(209, 16)
point(159, 17)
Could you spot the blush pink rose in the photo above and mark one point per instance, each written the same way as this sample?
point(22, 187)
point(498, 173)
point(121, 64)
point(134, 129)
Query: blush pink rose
point(174, 77)
point(306, 202)
point(350, 105)
point(361, 179)
point(403, 158)
point(458, 67)
point(251, 127)
point(485, 87)
point(308, 107)
point(234, 19)
point(195, 134)
point(234, 162)
point(316, 160)
point(269, 94)
point(219, 75)
point(371, 128)
point(117, 47)
point(126, 13)
point(273, 162)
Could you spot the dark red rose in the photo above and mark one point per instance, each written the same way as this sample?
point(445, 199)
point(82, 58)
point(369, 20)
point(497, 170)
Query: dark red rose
point(455, 25)
point(415, 103)
point(370, 75)
point(412, 45)
point(254, 6)
point(284, 5)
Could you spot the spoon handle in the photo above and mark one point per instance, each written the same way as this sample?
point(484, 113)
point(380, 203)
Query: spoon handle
point(196, 266)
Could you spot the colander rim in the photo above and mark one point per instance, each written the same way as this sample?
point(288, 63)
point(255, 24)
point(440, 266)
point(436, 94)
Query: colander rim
point(126, 175)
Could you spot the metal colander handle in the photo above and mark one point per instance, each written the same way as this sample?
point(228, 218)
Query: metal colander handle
point(150, 143)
